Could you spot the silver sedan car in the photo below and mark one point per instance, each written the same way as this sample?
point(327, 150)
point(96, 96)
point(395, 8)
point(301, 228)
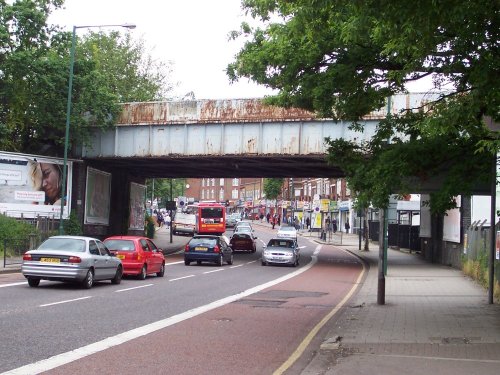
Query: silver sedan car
point(71, 258)
point(281, 251)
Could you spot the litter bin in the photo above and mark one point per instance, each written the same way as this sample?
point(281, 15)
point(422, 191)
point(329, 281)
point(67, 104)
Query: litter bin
point(323, 235)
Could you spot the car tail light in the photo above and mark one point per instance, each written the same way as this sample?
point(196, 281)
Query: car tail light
point(216, 249)
point(27, 257)
point(136, 256)
point(186, 249)
point(74, 260)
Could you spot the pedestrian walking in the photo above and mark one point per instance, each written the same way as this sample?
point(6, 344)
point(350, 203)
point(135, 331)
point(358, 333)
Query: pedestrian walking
point(308, 222)
point(347, 227)
point(273, 221)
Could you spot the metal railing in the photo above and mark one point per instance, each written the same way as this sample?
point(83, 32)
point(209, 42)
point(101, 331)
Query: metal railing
point(14, 248)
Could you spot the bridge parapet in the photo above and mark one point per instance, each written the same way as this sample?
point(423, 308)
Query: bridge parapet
point(238, 111)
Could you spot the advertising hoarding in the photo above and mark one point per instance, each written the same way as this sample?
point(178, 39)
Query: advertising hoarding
point(30, 186)
point(137, 207)
point(97, 197)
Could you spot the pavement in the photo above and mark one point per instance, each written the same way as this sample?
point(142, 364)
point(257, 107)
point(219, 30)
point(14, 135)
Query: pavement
point(435, 319)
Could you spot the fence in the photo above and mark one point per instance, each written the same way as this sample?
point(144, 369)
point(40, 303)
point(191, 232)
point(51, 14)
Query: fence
point(14, 248)
point(477, 246)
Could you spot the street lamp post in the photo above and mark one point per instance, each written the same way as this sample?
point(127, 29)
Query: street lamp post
point(68, 112)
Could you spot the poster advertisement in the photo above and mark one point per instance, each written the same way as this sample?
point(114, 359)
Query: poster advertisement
point(31, 186)
point(97, 197)
point(137, 208)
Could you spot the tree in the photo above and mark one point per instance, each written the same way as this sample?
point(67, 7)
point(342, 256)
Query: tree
point(130, 70)
point(343, 59)
point(272, 187)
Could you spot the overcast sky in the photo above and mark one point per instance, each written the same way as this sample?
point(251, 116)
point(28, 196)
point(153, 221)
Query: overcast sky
point(190, 33)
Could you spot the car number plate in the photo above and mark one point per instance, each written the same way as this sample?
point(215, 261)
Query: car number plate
point(199, 248)
point(50, 260)
point(120, 256)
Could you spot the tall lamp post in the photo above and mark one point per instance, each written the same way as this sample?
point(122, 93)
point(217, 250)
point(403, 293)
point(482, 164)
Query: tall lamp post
point(68, 112)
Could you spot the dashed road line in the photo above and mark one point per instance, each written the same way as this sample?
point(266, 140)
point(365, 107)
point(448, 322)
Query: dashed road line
point(66, 301)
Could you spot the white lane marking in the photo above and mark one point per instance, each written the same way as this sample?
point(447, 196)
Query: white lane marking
point(13, 284)
point(69, 300)
point(179, 278)
point(220, 269)
point(135, 287)
point(239, 265)
point(253, 261)
point(73, 355)
point(171, 264)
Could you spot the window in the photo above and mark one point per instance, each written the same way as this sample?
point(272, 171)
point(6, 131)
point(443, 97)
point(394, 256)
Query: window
point(144, 245)
point(202, 194)
point(102, 249)
point(221, 194)
point(236, 182)
point(212, 195)
point(93, 249)
point(213, 181)
point(203, 182)
point(221, 182)
point(234, 194)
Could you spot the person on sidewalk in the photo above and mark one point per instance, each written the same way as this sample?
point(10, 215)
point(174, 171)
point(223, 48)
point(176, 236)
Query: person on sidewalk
point(273, 221)
point(347, 227)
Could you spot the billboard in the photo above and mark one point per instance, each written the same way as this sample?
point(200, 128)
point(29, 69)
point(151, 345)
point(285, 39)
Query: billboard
point(97, 197)
point(31, 186)
point(137, 207)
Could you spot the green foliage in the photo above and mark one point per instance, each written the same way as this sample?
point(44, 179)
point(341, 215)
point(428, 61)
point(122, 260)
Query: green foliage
point(272, 187)
point(10, 228)
point(162, 189)
point(72, 225)
point(342, 59)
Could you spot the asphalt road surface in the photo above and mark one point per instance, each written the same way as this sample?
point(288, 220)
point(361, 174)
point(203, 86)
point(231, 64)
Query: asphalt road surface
point(198, 319)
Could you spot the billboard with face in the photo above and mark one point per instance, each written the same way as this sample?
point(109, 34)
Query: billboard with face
point(31, 186)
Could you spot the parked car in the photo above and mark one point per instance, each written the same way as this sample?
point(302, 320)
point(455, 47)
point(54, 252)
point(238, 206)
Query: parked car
point(281, 251)
point(139, 255)
point(287, 231)
point(71, 259)
point(208, 248)
point(243, 239)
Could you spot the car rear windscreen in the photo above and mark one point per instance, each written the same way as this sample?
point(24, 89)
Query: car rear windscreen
point(203, 242)
point(119, 245)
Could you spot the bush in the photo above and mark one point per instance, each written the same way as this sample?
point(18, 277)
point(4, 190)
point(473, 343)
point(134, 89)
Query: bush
point(12, 228)
point(72, 225)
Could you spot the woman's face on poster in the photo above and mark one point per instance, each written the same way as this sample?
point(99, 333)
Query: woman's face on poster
point(51, 182)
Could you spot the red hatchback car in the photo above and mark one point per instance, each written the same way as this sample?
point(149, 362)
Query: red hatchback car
point(139, 255)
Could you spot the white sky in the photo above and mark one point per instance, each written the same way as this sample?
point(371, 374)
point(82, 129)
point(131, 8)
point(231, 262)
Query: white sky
point(190, 33)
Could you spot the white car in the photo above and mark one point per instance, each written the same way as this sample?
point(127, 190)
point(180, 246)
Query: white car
point(287, 231)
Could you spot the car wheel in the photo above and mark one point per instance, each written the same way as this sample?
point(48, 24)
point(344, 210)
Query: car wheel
point(187, 262)
point(254, 250)
point(161, 273)
point(142, 275)
point(33, 282)
point(230, 261)
point(118, 276)
point(220, 260)
point(89, 280)
point(198, 262)
point(263, 263)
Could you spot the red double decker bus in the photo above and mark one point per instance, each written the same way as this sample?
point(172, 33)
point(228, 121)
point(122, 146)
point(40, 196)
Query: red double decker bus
point(210, 218)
